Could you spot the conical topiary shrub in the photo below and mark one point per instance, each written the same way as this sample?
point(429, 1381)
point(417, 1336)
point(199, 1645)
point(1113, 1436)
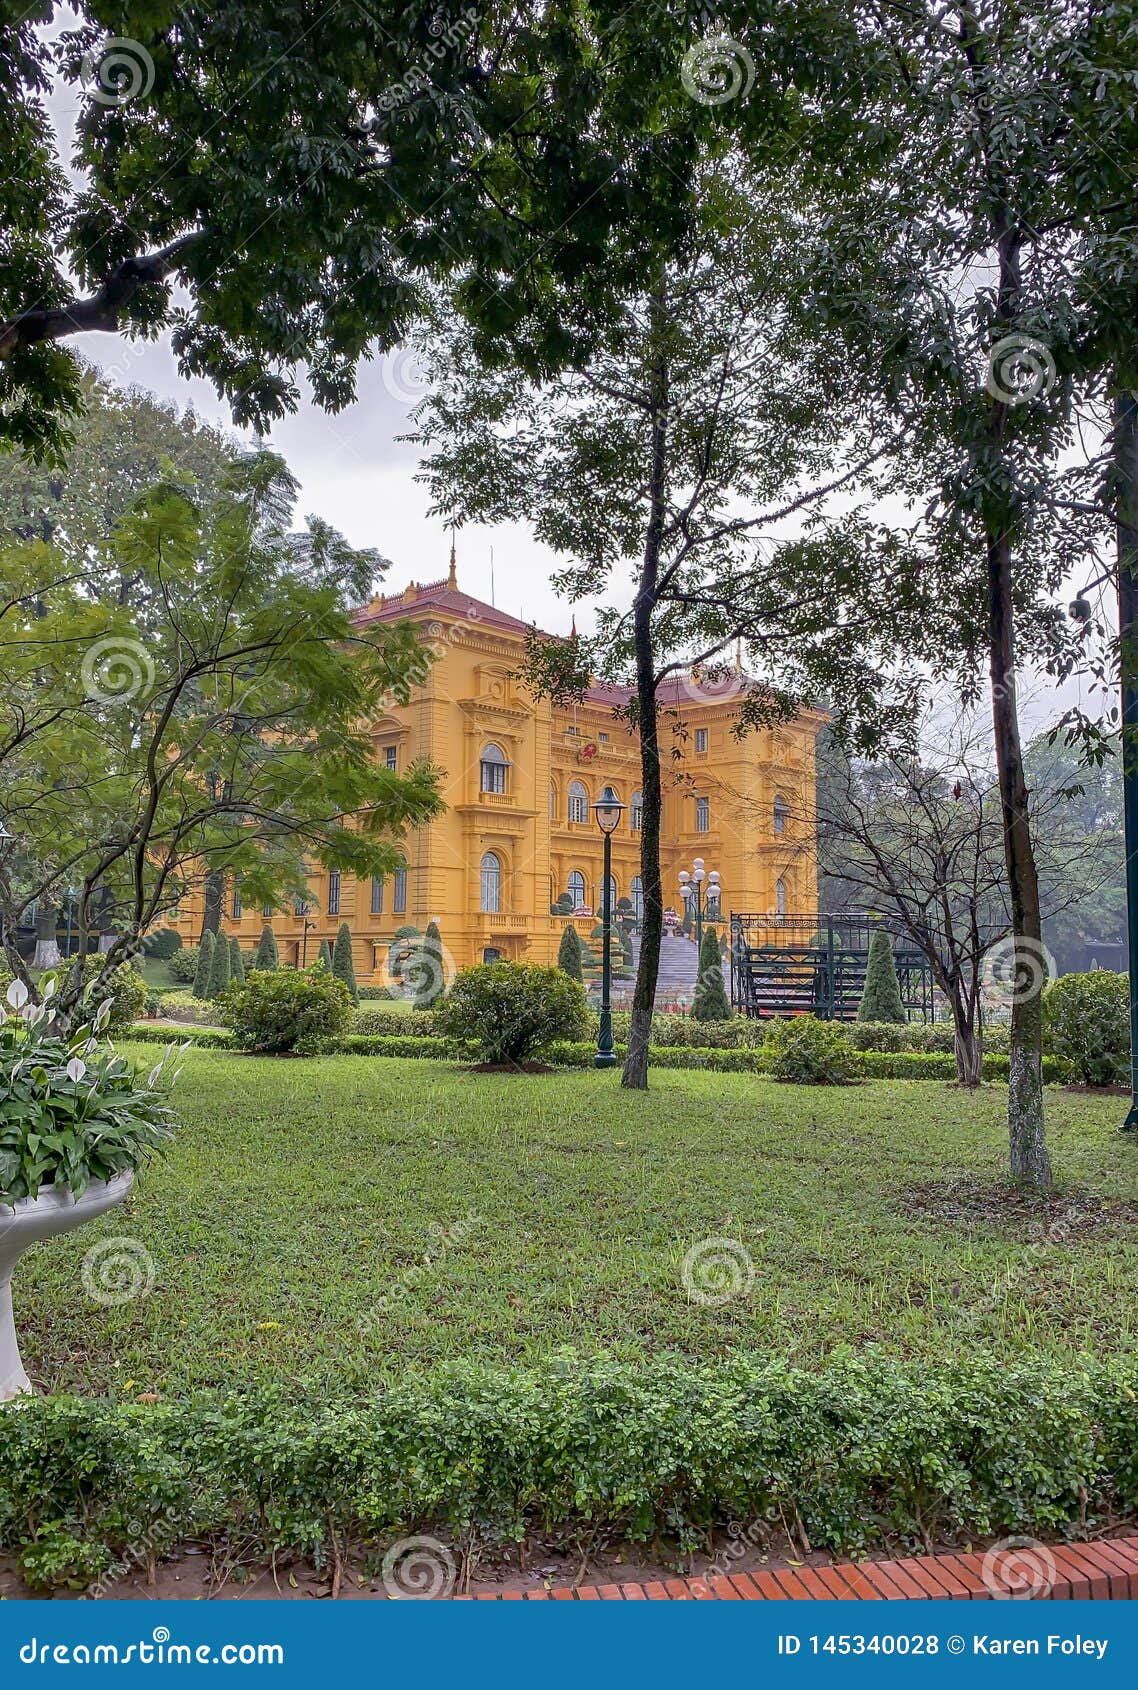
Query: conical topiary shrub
point(268, 957)
point(710, 1001)
point(236, 962)
point(219, 967)
point(325, 957)
point(205, 965)
point(342, 960)
point(569, 953)
point(427, 970)
point(881, 998)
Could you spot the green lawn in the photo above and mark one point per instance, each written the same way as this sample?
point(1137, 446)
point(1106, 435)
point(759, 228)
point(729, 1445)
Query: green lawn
point(301, 1193)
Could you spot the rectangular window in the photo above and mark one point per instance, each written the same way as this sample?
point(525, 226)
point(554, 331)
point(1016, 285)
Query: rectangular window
point(267, 911)
point(702, 815)
point(399, 901)
point(377, 895)
point(236, 904)
point(333, 891)
point(391, 757)
point(493, 777)
point(701, 739)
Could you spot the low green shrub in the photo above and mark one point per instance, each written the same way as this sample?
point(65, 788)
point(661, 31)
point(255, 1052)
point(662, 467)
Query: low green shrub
point(162, 943)
point(183, 965)
point(184, 1006)
point(407, 1044)
point(202, 1038)
point(808, 1052)
point(376, 994)
point(394, 1023)
point(1086, 1021)
point(512, 1010)
point(866, 1451)
point(287, 1011)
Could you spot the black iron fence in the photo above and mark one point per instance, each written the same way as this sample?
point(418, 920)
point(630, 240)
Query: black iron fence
point(815, 964)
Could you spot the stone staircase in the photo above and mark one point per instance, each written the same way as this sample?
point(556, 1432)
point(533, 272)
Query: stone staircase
point(675, 984)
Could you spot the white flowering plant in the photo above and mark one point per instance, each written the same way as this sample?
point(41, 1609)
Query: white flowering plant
point(72, 1111)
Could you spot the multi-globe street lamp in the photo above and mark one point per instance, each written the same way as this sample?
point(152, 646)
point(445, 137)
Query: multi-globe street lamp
point(691, 890)
point(608, 810)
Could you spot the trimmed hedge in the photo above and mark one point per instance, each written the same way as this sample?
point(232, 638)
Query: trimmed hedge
point(865, 1451)
point(867, 1065)
point(205, 1038)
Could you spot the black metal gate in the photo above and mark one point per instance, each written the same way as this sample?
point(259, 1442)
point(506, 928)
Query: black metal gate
point(815, 965)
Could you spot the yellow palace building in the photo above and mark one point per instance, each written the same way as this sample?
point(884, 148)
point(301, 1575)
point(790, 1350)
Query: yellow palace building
point(519, 777)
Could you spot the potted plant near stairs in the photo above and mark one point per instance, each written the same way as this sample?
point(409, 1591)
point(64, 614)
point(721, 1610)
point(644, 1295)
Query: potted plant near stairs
point(77, 1122)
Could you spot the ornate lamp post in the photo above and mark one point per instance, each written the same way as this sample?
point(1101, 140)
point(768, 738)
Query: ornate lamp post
point(608, 810)
point(691, 890)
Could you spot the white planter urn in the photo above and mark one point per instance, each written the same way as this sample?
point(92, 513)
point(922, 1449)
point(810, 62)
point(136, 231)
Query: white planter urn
point(49, 1212)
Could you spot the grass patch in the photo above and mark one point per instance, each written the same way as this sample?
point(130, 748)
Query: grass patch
point(345, 1221)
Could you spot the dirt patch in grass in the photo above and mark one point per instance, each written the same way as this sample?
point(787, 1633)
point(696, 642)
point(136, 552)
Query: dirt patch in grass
point(1055, 1217)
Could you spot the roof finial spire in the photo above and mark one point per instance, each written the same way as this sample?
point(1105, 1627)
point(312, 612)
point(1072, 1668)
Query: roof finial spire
point(452, 578)
point(573, 630)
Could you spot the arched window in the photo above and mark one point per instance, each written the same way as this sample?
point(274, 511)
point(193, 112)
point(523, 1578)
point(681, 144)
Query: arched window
point(552, 802)
point(612, 896)
point(494, 765)
point(636, 812)
point(490, 901)
point(576, 888)
point(702, 815)
point(333, 891)
point(638, 897)
point(578, 802)
point(780, 896)
point(779, 815)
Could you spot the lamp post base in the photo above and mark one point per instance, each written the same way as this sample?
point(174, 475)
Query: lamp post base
point(605, 1059)
point(1130, 1125)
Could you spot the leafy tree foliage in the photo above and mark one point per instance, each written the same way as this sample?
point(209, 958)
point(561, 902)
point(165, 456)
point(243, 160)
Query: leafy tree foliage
point(223, 727)
point(296, 174)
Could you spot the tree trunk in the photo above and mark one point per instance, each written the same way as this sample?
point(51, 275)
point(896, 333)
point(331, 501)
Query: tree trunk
point(213, 896)
point(968, 1052)
point(47, 951)
point(1125, 451)
point(635, 1074)
point(1027, 1144)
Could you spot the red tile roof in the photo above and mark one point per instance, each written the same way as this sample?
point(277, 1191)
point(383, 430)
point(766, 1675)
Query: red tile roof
point(440, 596)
